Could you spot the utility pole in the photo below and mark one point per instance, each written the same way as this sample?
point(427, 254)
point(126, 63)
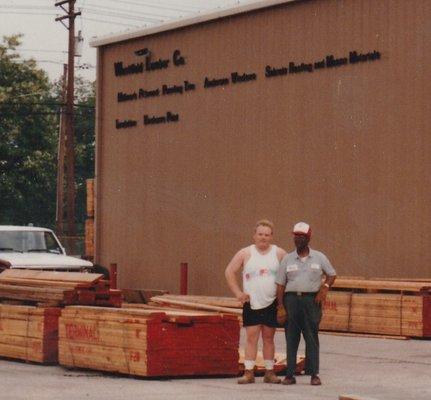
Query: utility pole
point(59, 215)
point(69, 118)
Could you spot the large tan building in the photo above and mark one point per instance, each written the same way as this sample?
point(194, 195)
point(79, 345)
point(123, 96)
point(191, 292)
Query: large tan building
point(314, 110)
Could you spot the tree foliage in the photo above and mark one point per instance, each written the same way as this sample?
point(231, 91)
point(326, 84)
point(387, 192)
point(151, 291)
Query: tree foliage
point(29, 126)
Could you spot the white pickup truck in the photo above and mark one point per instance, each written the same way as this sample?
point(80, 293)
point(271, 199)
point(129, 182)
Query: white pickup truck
point(29, 247)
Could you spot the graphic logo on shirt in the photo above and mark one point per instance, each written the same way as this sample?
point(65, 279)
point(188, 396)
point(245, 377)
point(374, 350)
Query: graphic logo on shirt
point(262, 272)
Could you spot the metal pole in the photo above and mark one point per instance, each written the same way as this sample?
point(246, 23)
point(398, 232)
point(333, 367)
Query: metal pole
point(113, 276)
point(184, 279)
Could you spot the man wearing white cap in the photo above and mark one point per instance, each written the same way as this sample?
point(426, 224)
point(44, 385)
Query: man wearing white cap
point(300, 290)
point(259, 263)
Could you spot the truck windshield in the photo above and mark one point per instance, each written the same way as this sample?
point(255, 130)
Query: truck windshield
point(29, 241)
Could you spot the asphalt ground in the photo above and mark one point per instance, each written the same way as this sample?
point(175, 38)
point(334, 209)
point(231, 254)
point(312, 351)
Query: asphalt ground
point(382, 369)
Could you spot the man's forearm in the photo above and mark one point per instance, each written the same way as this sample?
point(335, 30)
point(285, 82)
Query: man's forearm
point(280, 294)
point(330, 280)
point(232, 283)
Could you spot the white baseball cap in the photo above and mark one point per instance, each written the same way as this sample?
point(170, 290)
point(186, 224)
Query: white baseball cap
point(302, 228)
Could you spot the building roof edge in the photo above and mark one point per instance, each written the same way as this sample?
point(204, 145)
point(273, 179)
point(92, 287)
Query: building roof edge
point(187, 21)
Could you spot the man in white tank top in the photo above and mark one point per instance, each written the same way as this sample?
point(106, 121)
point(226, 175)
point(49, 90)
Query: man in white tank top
point(259, 264)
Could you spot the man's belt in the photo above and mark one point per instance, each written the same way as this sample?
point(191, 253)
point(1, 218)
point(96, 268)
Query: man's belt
point(301, 293)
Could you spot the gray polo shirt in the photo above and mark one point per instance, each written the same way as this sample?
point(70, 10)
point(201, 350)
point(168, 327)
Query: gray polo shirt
point(303, 276)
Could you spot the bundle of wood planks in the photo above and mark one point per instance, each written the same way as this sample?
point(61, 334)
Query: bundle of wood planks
point(149, 342)
point(57, 289)
point(89, 222)
point(29, 333)
point(371, 306)
point(379, 307)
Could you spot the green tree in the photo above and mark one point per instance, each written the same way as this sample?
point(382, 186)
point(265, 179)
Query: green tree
point(27, 140)
point(29, 126)
point(85, 144)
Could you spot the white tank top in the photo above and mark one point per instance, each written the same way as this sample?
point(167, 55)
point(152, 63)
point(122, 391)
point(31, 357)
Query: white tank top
point(258, 277)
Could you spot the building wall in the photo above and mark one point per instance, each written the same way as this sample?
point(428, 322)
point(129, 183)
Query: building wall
point(344, 148)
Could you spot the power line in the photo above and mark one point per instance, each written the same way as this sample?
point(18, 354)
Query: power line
point(90, 7)
point(110, 22)
point(158, 5)
point(121, 15)
point(43, 51)
point(32, 7)
point(26, 13)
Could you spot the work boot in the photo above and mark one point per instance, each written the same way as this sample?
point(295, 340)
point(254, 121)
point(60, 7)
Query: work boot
point(248, 377)
point(270, 377)
point(289, 380)
point(315, 381)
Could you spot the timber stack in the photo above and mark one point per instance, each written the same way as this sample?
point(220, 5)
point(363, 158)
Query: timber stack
point(29, 333)
point(371, 306)
point(31, 309)
point(149, 343)
point(378, 306)
point(56, 289)
point(89, 222)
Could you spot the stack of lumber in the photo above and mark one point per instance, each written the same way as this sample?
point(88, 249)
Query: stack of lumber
point(379, 307)
point(57, 288)
point(29, 333)
point(149, 342)
point(89, 222)
point(372, 306)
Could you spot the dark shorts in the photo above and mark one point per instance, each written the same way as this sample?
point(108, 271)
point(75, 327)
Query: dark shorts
point(265, 316)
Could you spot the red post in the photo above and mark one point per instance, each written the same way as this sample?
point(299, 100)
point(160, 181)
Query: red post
point(183, 283)
point(113, 276)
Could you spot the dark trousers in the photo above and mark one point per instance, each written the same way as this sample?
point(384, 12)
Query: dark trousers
point(303, 316)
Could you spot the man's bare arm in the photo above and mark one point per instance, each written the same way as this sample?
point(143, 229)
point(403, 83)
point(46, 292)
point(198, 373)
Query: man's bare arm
point(324, 289)
point(280, 253)
point(232, 269)
point(280, 294)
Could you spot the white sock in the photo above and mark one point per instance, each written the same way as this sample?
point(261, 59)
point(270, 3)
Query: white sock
point(269, 364)
point(249, 364)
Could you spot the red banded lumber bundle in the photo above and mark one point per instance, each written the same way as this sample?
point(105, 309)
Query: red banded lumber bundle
point(57, 288)
point(29, 333)
point(148, 343)
point(378, 313)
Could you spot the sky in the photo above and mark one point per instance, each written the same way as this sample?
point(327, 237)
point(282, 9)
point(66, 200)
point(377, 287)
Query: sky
point(45, 40)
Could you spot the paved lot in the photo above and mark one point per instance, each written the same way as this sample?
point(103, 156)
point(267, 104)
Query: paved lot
point(383, 369)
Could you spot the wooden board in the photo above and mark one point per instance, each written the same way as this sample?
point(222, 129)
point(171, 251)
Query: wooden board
point(280, 363)
point(383, 285)
point(76, 277)
point(230, 302)
point(90, 197)
point(195, 305)
point(58, 288)
point(354, 397)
